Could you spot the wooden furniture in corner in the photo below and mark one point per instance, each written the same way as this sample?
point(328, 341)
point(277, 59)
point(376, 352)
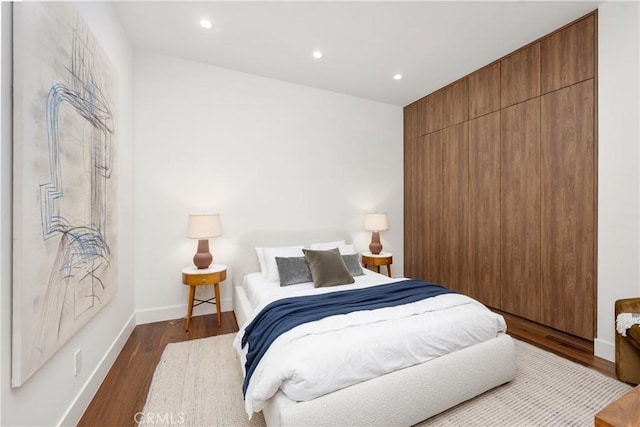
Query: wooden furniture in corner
point(623, 412)
point(193, 277)
point(376, 260)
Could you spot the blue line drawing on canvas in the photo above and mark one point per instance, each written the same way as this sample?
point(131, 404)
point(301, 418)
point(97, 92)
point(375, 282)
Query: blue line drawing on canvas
point(65, 181)
point(83, 251)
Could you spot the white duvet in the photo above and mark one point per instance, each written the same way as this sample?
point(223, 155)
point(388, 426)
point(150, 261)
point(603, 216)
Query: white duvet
point(320, 357)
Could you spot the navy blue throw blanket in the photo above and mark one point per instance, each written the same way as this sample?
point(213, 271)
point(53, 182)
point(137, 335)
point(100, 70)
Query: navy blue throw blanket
point(285, 314)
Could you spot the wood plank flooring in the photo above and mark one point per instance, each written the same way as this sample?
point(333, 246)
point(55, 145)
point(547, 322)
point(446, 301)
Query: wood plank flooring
point(123, 392)
point(568, 346)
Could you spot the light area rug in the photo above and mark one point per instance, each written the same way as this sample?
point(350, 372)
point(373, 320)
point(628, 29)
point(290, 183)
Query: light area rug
point(199, 383)
point(548, 391)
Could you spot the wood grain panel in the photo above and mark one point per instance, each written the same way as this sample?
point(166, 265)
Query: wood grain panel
point(431, 146)
point(545, 224)
point(520, 78)
point(484, 202)
point(484, 91)
point(455, 103)
point(454, 245)
point(412, 208)
point(431, 113)
point(520, 210)
point(624, 411)
point(568, 56)
point(423, 188)
point(568, 209)
point(411, 117)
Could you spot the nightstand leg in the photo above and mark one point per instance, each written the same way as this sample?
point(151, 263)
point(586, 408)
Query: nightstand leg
point(377, 269)
point(389, 270)
point(192, 293)
point(217, 289)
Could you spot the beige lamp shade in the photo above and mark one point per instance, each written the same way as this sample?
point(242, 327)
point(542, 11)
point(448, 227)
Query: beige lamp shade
point(204, 226)
point(376, 222)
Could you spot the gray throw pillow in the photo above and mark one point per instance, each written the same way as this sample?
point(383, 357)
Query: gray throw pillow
point(327, 268)
point(352, 262)
point(293, 270)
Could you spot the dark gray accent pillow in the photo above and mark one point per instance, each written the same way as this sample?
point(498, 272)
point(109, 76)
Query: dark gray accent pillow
point(352, 261)
point(327, 268)
point(293, 270)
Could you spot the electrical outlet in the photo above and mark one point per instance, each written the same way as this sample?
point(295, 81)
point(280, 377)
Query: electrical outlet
point(77, 361)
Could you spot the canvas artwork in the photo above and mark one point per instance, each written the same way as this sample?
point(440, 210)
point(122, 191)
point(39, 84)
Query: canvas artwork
point(64, 207)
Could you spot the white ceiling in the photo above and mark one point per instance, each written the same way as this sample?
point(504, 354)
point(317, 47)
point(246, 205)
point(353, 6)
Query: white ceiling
point(364, 43)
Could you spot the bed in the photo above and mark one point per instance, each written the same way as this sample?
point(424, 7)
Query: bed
point(402, 397)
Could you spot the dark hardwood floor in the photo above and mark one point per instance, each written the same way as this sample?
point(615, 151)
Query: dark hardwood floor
point(124, 390)
point(568, 346)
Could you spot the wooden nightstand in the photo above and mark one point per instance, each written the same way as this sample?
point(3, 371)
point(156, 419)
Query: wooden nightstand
point(192, 277)
point(383, 258)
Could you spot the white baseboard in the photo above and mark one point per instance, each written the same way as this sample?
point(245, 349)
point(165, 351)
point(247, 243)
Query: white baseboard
point(604, 350)
point(90, 387)
point(178, 311)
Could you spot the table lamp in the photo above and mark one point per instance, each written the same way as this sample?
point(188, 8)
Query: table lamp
point(375, 223)
point(203, 227)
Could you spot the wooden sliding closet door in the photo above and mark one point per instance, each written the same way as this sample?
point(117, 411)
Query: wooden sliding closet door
point(568, 209)
point(423, 206)
point(500, 182)
point(412, 205)
point(484, 207)
point(413, 190)
point(454, 244)
point(431, 158)
point(520, 210)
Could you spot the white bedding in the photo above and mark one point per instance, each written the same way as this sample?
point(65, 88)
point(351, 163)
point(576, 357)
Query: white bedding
point(323, 356)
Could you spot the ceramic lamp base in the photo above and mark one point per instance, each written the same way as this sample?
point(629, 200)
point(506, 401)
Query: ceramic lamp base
point(375, 246)
point(203, 258)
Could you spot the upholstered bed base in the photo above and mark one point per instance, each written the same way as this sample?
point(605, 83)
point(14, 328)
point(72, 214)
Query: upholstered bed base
point(404, 397)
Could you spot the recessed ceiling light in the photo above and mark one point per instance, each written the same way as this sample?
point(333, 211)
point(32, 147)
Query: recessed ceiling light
point(317, 54)
point(397, 77)
point(205, 23)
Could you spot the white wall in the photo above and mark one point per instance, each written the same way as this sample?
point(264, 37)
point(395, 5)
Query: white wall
point(618, 164)
point(5, 191)
point(53, 395)
point(265, 154)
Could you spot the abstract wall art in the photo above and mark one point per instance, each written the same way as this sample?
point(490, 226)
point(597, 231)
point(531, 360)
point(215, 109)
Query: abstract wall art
point(64, 181)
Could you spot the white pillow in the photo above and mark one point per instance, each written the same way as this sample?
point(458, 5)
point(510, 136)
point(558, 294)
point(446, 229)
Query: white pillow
point(327, 245)
point(271, 268)
point(263, 268)
point(347, 249)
